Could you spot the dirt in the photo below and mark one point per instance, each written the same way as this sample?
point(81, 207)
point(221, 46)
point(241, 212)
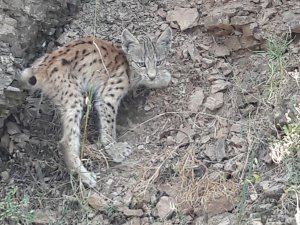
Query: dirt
point(201, 145)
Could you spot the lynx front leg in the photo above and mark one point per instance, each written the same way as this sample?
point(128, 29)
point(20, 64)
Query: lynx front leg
point(71, 116)
point(107, 111)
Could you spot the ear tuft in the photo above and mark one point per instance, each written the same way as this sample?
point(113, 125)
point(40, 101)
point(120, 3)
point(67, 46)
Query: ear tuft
point(165, 39)
point(128, 41)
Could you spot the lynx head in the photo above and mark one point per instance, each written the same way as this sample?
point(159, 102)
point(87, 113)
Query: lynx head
point(147, 58)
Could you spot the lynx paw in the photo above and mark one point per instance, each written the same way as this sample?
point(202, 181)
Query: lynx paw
point(89, 178)
point(119, 151)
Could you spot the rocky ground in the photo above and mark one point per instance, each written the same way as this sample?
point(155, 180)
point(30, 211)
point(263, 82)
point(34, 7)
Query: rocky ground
point(202, 145)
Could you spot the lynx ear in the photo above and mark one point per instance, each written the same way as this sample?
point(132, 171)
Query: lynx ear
point(165, 39)
point(128, 41)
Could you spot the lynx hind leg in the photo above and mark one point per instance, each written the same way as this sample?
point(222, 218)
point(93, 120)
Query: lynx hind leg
point(71, 116)
point(107, 112)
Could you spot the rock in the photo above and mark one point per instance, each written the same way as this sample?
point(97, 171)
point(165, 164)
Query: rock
point(237, 141)
point(169, 189)
point(184, 134)
point(216, 151)
point(241, 20)
point(214, 77)
point(185, 17)
point(218, 205)
point(207, 63)
point(196, 100)
point(222, 132)
point(237, 128)
point(219, 85)
point(133, 221)
point(162, 13)
point(128, 198)
point(5, 176)
point(165, 207)
point(96, 201)
point(214, 101)
point(12, 128)
point(232, 43)
point(220, 50)
point(170, 141)
point(291, 20)
point(24, 26)
point(223, 219)
point(130, 212)
point(248, 42)
point(43, 217)
point(275, 191)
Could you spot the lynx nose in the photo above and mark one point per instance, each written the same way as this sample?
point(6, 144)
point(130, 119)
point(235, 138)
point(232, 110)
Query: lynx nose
point(152, 74)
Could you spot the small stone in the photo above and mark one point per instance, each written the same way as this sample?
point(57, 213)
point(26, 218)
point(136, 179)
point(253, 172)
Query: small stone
point(163, 26)
point(216, 151)
point(205, 139)
point(165, 207)
point(207, 63)
point(215, 101)
point(12, 128)
point(128, 198)
point(185, 17)
point(43, 217)
point(219, 205)
point(275, 191)
point(219, 85)
point(222, 132)
point(237, 141)
point(162, 13)
point(215, 77)
point(5, 176)
point(237, 128)
point(141, 147)
point(131, 212)
point(96, 201)
point(170, 141)
point(196, 100)
point(220, 51)
point(133, 221)
point(147, 108)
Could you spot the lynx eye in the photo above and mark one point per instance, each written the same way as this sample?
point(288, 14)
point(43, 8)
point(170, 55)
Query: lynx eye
point(158, 63)
point(140, 64)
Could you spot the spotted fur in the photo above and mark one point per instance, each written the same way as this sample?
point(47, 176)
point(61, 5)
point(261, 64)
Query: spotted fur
point(96, 66)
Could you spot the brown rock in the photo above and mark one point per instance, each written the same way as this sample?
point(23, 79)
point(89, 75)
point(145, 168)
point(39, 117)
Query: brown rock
point(133, 221)
point(220, 50)
point(12, 128)
point(196, 100)
point(43, 217)
point(248, 42)
point(162, 13)
point(216, 151)
point(232, 43)
point(219, 85)
point(130, 212)
point(185, 17)
point(96, 201)
point(218, 205)
point(215, 101)
point(241, 20)
point(237, 141)
point(165, 207)
point(237, 128)
point(184, 134)
point(292, 20)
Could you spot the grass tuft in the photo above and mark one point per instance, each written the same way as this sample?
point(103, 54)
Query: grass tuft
point(13, 209)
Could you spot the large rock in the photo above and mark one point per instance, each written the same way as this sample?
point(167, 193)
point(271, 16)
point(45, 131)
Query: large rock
point(24, 26)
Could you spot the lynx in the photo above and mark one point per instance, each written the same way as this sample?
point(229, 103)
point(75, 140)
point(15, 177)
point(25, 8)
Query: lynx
point(97, 66)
